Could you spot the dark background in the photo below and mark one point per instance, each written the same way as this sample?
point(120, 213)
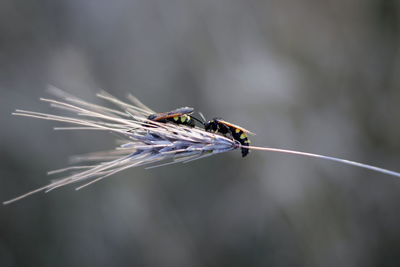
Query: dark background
point(316, 76)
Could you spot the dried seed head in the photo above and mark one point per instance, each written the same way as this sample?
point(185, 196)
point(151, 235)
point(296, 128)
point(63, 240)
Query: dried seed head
point(143, 142)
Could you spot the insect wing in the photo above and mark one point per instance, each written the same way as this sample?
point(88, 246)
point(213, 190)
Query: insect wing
point(183, 110)
point(236, 127)
point(173, 113)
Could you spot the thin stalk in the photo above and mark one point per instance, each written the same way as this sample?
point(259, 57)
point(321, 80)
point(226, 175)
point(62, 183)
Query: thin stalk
point(345, 161)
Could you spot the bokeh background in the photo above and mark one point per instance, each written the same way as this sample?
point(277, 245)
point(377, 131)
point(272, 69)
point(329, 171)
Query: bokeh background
point(316, 76)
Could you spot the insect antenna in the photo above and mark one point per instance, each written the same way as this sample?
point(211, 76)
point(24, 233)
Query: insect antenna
point(202, 117)
point(196, 119)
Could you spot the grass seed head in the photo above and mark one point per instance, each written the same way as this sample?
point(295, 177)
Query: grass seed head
point(142, 142)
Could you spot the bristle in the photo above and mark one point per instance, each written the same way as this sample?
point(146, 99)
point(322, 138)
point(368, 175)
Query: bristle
point(144, 142)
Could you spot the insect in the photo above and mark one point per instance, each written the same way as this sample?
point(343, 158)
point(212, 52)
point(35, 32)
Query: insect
point(238, 133)
point(178, 116)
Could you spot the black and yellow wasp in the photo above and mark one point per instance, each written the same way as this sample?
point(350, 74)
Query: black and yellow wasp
point(216, 125)
point(178, 116)
point(238, 133)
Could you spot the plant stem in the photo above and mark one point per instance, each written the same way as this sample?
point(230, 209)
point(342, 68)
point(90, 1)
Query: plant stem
point(345, 161)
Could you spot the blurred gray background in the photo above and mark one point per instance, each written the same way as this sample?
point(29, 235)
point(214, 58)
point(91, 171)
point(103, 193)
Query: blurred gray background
point(316, 76)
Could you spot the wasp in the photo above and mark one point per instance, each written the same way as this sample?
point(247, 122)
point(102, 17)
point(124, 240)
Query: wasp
point(238, 133)
point(178, 116)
